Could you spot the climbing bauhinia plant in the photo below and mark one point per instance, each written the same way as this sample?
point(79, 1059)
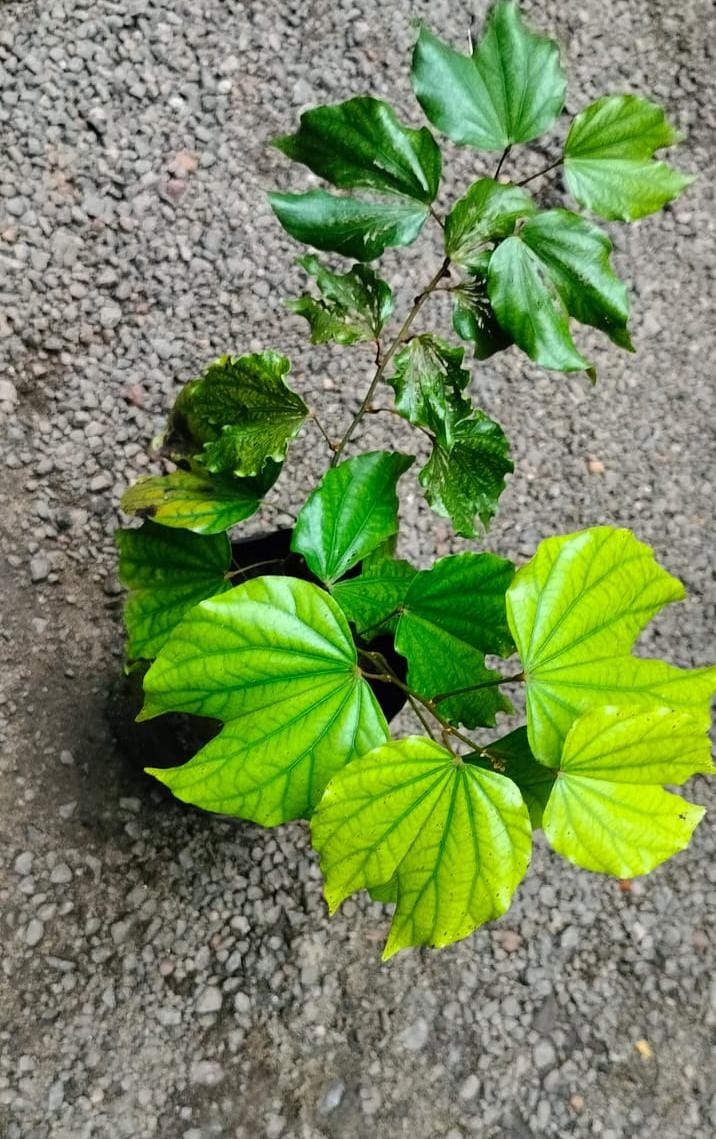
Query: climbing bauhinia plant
point(437, 824)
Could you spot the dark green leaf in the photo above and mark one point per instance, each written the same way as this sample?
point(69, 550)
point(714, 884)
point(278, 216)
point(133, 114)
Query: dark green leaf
point(557, 266)
point(240, 412)
point(196, 500)
point(428, 384)
point(608, 162)
point(273, 659)
point(167, 572)
point(354, 306)
point(513, 757)
point(488, 212)
point(355, 228)
point(361, 144)
point(466, 477)
point(509, 90)
point(351, 512)
point(473, 319)
point(372, 600)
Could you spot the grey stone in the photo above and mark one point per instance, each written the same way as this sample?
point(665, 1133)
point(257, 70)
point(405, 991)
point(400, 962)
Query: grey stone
point(209, 1000)
point(40, 568)
point(34, 933)
point(23, 862)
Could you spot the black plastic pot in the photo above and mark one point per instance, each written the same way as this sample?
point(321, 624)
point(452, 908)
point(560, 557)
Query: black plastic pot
point(175, 737)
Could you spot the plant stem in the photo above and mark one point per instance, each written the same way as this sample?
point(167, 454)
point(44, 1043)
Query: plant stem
point(253, 566)
point(503, 157)
point(382, 360)
point(436, 216)
point(323, 431)
point(473, 687)
point(539, 173)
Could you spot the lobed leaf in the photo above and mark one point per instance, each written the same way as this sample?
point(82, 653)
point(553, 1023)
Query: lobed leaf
point(509, 90)
point(274, 659)
point(196, 500)
point(449, 842)
point(352, 227)
point(488, 212)
point(473, 319)
point(465, 476)
point(608, 158)
point(428, 382)
point(167, 572)
point(354, 306)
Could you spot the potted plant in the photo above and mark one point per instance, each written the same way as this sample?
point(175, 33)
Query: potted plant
point(292, 648)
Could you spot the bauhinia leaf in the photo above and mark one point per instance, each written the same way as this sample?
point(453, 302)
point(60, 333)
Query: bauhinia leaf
point(428, 382)
point(354, 306)
point(488, 212)
point(456, 840)
point(473, 319)
point(557, 266)
point(575, 611)
point(274, 660)
point(608, 163)
point(607, 810)
point(352, 511)
point(513, 757)
point(240, 412)
point(465, 474)
point(444, 620)
point(196, 500)
point(509, 90)
point(167, 573)
point(361, 144)
point(352, 227)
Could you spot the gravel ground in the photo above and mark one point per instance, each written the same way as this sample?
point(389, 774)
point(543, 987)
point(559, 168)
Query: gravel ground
point(171, 976)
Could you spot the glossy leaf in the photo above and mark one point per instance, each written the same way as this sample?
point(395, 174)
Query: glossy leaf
point(608, 158)
point(196, 500)
point(575, 611)
point(351, 512)
point(509, 90)
point(352, 227)
point(488, 212)
point(608, 811)
point(557, 267)
point(354, 306)
point(428, 382)
point(513, 758)
point(456, 840)
point(473, 319)
point(240, 412)
point(273, 659)
point(167, 573)
point(372, 600)
point(465, 476)
point(361, 144)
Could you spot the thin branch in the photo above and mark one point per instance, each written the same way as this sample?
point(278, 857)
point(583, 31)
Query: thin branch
point(392, 411)
point(474, 687)
point(552, 166)
point(434, 214)
point(255, 565)
point(323, 431)
point(383, 359)
point(500, 164)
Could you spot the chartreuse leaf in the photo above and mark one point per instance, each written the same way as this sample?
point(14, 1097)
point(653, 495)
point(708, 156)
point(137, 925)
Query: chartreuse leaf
point(557, 266)
point(512, 756)
point(456, 840)
point(428, 382)
point(274, 660)
point(240, 412)
point(361, 144)
point(608, 161)
point(351, 512)
point(575, 611)
point(167, 573)
point(465, 474)
point(444, 620)
point(488, 212)
point(349, 226)
point(196, 500)
point(354, 306)
point(607, 810)
point(509, 90)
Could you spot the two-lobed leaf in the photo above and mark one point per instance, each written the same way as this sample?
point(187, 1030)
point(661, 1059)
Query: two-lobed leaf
point(428, 383)
point(447, 841)
point(465, 474)
point(488, 212)
point(354, 306)
point(354, 228)
point(275, 661)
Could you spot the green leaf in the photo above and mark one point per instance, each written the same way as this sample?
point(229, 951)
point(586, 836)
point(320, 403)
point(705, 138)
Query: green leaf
point(488, 212)
point(361, 143)
point(513, 757)
point(167, 572)
point(465, 477)
point(557, 266)
point(274, 660)
point(353, 510)
point(509, 90)
point(575, 611)
point(196, 500)
point(473, 319)
point(428, 384)
point(240, 412)
point(444, 620)
point(456, 840)
point(355, 305)
point(607, 811)
point(608, 162)
point(349, 226)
